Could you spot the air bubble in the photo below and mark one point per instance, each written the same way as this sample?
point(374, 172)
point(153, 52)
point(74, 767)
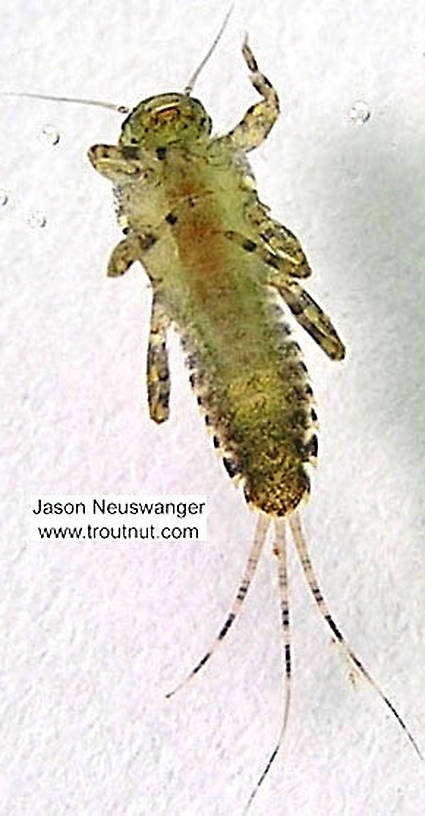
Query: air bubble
point(359, 113)
point(4, 198)
point(37, 220)
point(49, 134)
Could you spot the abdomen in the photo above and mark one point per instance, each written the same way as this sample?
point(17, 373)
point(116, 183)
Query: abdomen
point(246, 370)
point(252, 384)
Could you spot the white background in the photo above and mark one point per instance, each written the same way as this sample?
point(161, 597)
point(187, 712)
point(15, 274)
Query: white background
point(95, 635)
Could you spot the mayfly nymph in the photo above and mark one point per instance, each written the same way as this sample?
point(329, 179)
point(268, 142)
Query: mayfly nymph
point(220, 268)
point(222, 273)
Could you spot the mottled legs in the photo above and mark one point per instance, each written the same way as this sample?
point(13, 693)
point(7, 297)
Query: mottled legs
point(158, 374)
point(259, 118)
point(280, 274)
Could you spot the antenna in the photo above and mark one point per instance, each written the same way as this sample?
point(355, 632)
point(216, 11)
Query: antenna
point(122, 109)
point(190, 85)
point(95, 102)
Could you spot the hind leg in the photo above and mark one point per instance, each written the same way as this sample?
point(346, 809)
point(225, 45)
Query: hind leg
point(158, 374)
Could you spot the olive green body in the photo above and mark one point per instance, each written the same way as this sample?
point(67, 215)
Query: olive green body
point(246, 370)
point(218, 265)
point(217, 262)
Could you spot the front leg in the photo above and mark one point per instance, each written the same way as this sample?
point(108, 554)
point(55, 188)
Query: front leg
point(259, 118)
point(120, 165)
point(158, 374)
